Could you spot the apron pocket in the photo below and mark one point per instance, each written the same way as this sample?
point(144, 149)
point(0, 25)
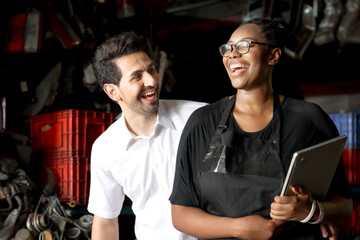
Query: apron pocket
point(235, 195)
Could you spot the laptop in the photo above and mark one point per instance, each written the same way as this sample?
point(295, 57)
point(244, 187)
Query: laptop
point(314, 167)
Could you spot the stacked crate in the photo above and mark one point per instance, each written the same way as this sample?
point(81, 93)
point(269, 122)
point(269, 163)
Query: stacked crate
point(352, 231)
point(64, 139)
point(348, 123)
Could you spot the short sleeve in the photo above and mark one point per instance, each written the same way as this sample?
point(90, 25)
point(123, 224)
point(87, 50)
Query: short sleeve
point(184, 190)
point(106, 195)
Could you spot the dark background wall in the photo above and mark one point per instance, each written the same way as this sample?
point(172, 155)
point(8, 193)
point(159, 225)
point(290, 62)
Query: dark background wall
point(189, 32)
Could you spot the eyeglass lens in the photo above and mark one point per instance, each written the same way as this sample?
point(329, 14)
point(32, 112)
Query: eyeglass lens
point(241, 47)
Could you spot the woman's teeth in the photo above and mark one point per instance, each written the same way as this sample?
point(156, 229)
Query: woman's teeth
point(237, 65)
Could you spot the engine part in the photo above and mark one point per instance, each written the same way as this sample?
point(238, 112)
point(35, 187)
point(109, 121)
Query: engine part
point(349, 30)
point(73, 233)
point(328, 25)
point(23, 234)
point(46, 235)
point(86, 221)
point(9, 224)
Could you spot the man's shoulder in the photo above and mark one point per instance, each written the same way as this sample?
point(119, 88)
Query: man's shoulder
point(181, 104)
point(208, 115)
point(211, 110)
point(181, 108)
point(114, 134)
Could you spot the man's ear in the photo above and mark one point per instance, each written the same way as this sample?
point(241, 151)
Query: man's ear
point(112, 91)
point(275, 56)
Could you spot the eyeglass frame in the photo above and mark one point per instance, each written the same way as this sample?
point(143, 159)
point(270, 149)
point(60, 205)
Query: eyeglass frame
point(248, 41)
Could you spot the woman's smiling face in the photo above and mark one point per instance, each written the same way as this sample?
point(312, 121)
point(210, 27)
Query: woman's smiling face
point(250, 70)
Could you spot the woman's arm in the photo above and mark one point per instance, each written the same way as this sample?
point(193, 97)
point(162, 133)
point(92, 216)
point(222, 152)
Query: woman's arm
point(200, 224)
point(337, 210)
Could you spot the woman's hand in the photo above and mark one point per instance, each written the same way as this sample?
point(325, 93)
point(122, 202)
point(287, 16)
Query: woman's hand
point(258, 227)
point(291, 208)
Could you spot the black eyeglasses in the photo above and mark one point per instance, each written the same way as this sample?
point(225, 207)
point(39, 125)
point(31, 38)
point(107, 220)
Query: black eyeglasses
point(241, 47)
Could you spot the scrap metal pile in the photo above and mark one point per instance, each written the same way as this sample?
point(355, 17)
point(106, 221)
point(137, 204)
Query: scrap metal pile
point(29, 213)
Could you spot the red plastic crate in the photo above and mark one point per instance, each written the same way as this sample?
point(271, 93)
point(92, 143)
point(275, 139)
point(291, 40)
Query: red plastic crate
point(351, 159)
point(67, 133)
point(353, 228)
point(72, 178)
point(16, 33)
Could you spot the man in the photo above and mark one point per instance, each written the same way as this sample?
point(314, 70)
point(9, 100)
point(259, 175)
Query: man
point(136, 155)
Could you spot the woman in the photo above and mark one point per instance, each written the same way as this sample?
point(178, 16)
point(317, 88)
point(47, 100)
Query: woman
point(234, 154)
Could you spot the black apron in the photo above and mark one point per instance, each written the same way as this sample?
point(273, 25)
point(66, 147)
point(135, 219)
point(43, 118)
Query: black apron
point(251, 170)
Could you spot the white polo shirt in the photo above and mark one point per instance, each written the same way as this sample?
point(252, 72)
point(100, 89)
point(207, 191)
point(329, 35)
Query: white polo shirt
point(141, 167)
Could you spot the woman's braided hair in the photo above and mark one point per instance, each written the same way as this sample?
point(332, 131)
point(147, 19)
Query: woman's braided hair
point(274, 30)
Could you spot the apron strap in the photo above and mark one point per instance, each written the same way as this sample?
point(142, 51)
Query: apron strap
point(276, 118)
point(222, 125)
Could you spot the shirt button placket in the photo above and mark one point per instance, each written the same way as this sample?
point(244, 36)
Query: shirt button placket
point(159, 165)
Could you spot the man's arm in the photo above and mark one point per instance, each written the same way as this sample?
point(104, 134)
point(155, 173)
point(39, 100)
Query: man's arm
point(103, 228)
point(200, 224)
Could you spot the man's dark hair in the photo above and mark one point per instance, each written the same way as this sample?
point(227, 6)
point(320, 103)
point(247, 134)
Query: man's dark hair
point(105, 69)
point(274, 30)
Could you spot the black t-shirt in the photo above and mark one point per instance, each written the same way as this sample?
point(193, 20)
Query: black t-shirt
point(303, 124)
